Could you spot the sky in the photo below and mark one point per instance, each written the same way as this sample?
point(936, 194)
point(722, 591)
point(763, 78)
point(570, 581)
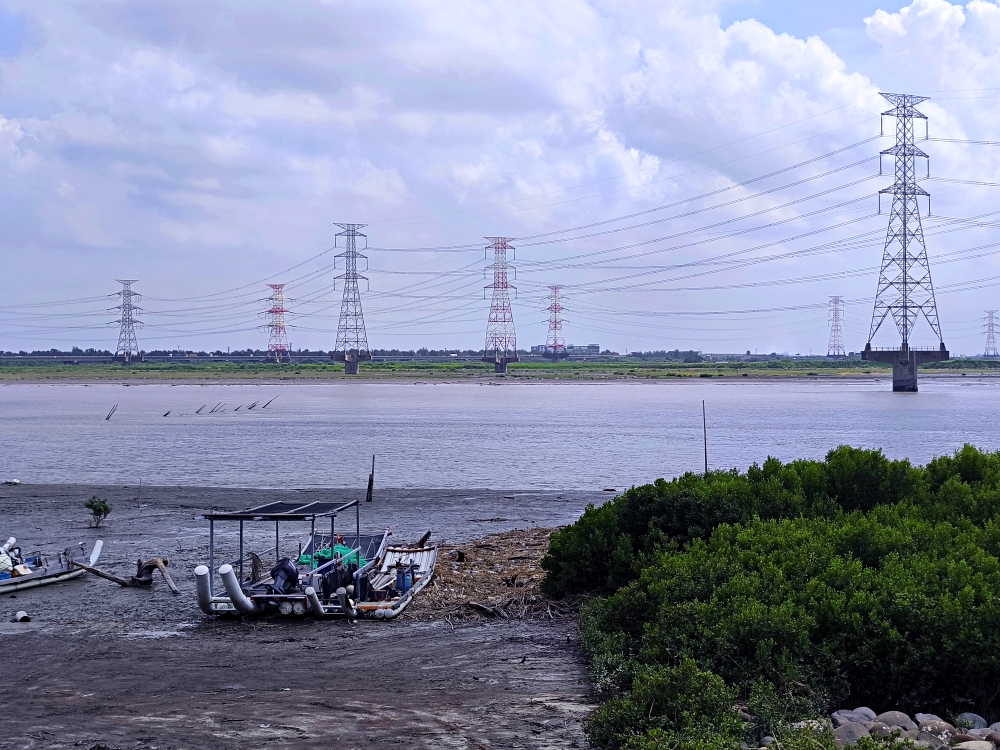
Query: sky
point(696, 175)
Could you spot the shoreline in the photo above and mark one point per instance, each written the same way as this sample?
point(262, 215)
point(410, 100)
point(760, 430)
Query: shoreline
point(490, 379)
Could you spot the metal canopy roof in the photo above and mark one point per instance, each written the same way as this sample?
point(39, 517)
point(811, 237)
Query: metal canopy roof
point(282, 511)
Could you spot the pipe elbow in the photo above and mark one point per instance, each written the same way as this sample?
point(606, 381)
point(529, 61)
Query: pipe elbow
point(204, 589)
point(240, 600)
point(345, 603)
point(314, 603)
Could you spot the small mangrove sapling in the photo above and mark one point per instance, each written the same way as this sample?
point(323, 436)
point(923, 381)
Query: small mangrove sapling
point(99, 510)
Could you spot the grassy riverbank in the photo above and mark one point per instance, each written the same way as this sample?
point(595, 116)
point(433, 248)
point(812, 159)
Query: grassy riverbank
point(624, 368)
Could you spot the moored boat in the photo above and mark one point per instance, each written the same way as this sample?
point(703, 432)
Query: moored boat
point(19, 571)
point(333, 574)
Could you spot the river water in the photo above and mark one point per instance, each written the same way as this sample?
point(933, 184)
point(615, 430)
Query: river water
point(465, 435)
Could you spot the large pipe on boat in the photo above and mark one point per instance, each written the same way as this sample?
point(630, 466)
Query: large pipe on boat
point(95, 553)
point(345, 603)
point(204, 589)
point(240, 600)
point(314, 603)
point(10, 543)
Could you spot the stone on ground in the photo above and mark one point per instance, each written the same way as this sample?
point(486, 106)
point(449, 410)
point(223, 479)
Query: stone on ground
point(849, 734)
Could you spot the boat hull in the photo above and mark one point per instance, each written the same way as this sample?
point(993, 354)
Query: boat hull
point(67, 572)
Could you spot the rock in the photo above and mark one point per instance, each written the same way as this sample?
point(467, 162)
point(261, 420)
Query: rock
point(896, 719)
point(979, 732)
point(993, 737)
point(457, 555)
point(932, 740)
point(843, 716)
point(867, 713)
point(921, 718)
point(974, 721)
point(963, 737)
point(935, 726)
point(975, 745)
point(767, 740)
point(995, 726)
point(878, 729)
point(747, 717)
point(849, 734)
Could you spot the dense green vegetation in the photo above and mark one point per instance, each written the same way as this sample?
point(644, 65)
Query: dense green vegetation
point(794, 588)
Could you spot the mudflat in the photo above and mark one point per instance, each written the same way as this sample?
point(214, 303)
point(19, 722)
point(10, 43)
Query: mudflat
point(104, 666)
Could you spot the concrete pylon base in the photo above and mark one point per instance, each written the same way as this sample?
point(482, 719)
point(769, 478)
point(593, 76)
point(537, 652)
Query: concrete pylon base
point(351, 360)
point(904, 375)
point(904, 363)
point(500, 362)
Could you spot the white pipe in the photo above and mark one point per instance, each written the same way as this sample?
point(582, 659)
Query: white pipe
point(314, 603)
point(345, 603)
point(240, 600)
point(204, 589)
point(96, 552)
point(10, 543)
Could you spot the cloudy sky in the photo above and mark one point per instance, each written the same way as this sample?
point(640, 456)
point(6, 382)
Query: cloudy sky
point(696, 174)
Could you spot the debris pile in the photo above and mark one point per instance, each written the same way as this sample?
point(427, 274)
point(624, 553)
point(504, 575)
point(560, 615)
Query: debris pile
point(493, 577)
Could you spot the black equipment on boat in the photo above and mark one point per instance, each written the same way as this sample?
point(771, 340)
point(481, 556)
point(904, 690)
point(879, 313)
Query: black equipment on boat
point(285, 576)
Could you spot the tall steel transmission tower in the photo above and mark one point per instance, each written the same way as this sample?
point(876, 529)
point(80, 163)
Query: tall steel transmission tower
point(128, 347)
point(905, 290)
point(991, 334)
point(555, 344)
point(501, 341)
point(836, 317)
point(352, 341)
point(277, 335)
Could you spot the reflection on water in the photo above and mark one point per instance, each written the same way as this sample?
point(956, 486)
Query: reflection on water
point(513, 435)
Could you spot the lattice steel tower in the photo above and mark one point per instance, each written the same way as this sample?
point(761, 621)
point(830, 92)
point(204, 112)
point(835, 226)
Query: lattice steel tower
point(501, 341)
point(991, 334)
point(352, 341)
point(836, 318)
point(905, 290)
point(128, 347)
point(555, 344)
point(277, 335)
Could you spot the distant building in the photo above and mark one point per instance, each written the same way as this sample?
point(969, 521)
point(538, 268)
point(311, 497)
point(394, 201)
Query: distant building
point(588, 350)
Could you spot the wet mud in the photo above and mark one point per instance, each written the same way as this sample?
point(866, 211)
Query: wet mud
point(100, 665)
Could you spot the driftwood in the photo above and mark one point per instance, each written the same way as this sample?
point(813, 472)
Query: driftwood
point(143, 574)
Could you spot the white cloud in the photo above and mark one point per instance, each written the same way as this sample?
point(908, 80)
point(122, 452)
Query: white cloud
point(233, 130)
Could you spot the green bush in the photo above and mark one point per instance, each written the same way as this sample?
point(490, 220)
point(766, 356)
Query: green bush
point(882, 609)
point(606, 548)
point(679, 701)
point(851, 581)
point(99, 510)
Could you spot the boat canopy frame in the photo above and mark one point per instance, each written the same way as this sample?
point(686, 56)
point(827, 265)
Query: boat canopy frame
point(278, 512)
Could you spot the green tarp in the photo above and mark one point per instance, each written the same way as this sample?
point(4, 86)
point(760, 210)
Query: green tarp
point(340, 551)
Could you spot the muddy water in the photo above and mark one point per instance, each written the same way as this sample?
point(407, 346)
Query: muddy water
point(550, 436)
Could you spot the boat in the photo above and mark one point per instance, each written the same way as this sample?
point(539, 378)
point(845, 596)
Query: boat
point(19, 571)
point(333, 575)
